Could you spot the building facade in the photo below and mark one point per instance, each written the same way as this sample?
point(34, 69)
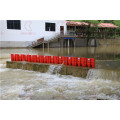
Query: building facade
point(21, 33)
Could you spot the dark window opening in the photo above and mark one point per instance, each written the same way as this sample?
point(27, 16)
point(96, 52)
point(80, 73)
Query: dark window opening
point(49, 26)
point(14, 24)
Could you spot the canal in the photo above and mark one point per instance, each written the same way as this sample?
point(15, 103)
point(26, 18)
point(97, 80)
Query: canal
point(28, 85)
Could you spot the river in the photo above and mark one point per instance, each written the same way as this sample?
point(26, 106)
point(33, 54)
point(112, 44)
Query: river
point(100, 84)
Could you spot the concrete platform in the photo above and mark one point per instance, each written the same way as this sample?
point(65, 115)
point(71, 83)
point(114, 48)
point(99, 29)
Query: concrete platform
point(43, 67)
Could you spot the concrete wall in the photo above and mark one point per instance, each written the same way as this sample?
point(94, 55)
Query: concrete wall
point(80, 42)
point(108, 41)
point(30, 31)
point(43, 67)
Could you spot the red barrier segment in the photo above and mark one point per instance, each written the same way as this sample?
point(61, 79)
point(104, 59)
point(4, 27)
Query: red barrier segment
point(85, 60)
point(49, 59)
point(35, 58)
point(92, 62)
point(69, 61)
point(82, 61)
point(20, 58)
point(57, 60)
point(78, 61)
point(73, 61)
point(52, 59)
point(60, 60)
point(12, 57)
point(45, 59)
point(66, 61)
point(29, 58)
point(88, 62)
point(32, 58)
point(23, 57)
point(38, 58)
point(16, 57)
point(41, 59)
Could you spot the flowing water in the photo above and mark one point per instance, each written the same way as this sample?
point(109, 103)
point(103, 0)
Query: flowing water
point(19, 84)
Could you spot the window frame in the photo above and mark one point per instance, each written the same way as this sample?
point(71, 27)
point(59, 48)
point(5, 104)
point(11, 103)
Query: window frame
point(14, 24)
point(50, 26)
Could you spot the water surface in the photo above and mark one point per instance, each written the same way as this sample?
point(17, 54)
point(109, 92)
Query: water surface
point(24, 85)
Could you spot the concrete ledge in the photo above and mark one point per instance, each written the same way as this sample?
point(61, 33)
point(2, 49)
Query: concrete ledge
point(42, 67)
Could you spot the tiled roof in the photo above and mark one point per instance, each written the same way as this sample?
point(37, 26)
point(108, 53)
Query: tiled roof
point(103, 25)
point(107, 25)
point(73, 23)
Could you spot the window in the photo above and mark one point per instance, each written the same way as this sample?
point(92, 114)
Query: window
point(49, 26)
point(14, 24)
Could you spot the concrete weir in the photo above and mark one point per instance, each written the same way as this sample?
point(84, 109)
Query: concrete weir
point(44, 67)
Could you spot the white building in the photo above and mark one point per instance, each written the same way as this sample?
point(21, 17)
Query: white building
point(21, 33)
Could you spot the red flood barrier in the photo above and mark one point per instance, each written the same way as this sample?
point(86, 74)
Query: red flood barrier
point(56, 59)
point(60, 60)
point(85, 62)
point(78, 61)
point(69, 60)
point(66, 61)
point(82, 62)
point(20, 58)
point(23, 57)
point(88, 62)
point(74, 61)
point(12, 57)
point(45, 59)
point(52, 59)
point(41, 59)
point(38, 58)
point(16, 57)
point(32, 58)
point(92, 62)
point(29, 58)
point(49, 59)
point(35, 58)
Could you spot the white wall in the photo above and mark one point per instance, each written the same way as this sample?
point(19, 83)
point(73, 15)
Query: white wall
point(31, 30)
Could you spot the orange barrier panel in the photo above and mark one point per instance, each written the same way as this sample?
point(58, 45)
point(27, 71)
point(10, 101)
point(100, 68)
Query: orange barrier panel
point(26, 59)
point(73, 61)
point(66, 61)
point(78, 61)
point(57, 60)
point(45, 59)
point(85, 60)
point(88, 62)
point(32, 58)
point(38, 58)
point(16, 57)
point(41, 59)
point(29, 58)
point(69, 61)
point(52, 59)
point(20, 59)
point(60, 60)
point(23, 57)
point(12, 57)
point(92, 62)
point(82, 61)
point(49, 59)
